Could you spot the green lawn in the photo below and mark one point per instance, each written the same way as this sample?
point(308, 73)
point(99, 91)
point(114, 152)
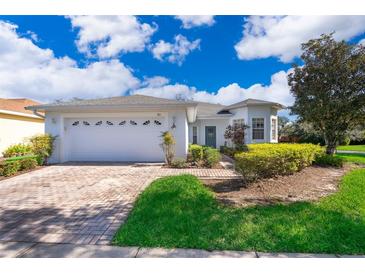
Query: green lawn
point(352, 148)
point(352, 157)
point(180, 212)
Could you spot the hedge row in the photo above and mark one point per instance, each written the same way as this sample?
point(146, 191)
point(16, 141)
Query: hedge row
point(269, 160)
point(12, 165)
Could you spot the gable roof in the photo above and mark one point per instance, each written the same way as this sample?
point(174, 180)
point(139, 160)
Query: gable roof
point(254, 102)
point(132, 100)
point(17, 105)
point(208, 109)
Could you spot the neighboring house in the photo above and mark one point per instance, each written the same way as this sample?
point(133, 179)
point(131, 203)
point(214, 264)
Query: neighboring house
point(128, 128)
point(17, 123)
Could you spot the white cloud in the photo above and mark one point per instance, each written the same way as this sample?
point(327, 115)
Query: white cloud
point(155, 81)
point(108, 36)
point(29, 71)
point(281, 36)
point(176, 52)
point(362, 42)
point(191, 21)
point(277, 91)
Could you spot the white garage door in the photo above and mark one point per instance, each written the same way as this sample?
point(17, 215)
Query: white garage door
point(114, 139)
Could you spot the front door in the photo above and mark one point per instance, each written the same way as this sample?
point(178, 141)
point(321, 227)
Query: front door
point(210, 136)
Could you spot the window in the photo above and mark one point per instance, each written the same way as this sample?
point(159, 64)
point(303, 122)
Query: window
point(273, 129)
point(195, 135)
point(238, 122)
point(258, 128)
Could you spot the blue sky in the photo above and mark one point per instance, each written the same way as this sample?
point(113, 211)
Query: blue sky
point(219, 59)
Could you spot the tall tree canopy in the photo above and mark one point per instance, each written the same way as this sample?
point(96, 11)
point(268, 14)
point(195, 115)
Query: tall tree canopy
point(329, 89)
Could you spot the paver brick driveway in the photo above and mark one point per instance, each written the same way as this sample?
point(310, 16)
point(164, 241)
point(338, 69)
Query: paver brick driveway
point(83, 203)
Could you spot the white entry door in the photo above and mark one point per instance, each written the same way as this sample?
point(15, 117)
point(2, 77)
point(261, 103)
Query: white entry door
point(114, 139)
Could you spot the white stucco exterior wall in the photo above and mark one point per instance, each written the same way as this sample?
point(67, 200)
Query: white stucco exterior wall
point(245, 113)
point(260, 112)
point(55, 125)
point(15, 129)
point(180, 132)
point(220, 125)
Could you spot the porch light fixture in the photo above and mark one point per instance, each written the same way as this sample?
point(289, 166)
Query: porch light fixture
point(173, 122)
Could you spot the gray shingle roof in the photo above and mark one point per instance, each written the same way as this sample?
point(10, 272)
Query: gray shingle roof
point(252, 102)
point(132, 100)
point(208, 109)
point(204, 109)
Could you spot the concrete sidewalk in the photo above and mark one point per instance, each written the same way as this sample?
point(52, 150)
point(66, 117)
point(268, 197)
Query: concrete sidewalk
point(42, 250)
point(351, 152)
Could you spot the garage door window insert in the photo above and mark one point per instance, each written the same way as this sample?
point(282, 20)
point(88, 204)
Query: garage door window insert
point(258, 128)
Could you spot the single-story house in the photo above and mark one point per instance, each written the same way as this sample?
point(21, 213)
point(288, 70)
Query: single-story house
point(128, 128)
point(17, 123)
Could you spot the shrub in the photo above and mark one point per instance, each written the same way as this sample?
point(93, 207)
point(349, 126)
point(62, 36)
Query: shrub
point(236, 134)
point(28, 163)
point(345, 141)
point(196, 152)
point(211, 156)
point(21, 158)
point(179, 163)
point(40, 160)
point(168, 146)
point(42, 146)
point(230, 151)
point(329, 160)
point(17, 150)
point(9, 168)
point(269, 160)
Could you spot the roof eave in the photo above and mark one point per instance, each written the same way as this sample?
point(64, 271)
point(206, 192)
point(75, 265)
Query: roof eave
point(16, 113)
point(110, 107)
point(275, 105)
point(218, 116)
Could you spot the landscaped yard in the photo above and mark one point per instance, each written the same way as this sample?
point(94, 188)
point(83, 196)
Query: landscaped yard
point(180, 212)
point(352, 157)
point(352, 148)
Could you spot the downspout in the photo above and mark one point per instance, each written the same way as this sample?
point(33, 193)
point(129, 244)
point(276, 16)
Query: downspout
point(38, 114)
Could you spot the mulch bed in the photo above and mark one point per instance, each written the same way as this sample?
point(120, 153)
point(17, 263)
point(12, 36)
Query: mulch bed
point(309, 184)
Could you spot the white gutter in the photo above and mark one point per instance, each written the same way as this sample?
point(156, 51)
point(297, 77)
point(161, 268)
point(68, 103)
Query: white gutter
point(219, 116)
point(15, 113)
point(38, 114)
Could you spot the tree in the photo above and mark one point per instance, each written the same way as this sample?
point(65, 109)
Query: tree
point(300, 132)
point(329, 89)
point(282, 122)
point(236, 134)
